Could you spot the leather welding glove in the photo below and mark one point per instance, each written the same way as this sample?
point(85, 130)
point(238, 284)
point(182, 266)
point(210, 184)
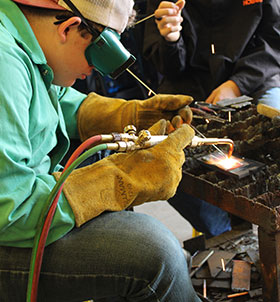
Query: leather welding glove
point(103, 115)
point(159, 128)
point(122, 180)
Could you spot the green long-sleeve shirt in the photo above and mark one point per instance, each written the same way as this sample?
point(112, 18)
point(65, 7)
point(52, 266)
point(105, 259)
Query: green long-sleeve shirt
point(36, 120)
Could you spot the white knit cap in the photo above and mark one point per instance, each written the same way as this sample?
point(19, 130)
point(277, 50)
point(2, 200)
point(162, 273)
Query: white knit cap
point(110, 13)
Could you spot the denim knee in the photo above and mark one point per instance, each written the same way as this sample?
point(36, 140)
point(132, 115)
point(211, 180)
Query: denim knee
point(165, 263)
point(117, 255)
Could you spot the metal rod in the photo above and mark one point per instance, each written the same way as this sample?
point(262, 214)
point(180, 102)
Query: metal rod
point(152, 15)
point(202, 135)
point(223, 264)
point(237, 295)
point(201, 263)
point(146, 86)
point(204, 289)
point(144, 19)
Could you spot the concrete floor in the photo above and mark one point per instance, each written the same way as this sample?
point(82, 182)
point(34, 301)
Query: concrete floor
point(165, 213)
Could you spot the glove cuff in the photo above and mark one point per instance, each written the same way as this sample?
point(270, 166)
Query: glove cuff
point(102, 115)
point(95, 189)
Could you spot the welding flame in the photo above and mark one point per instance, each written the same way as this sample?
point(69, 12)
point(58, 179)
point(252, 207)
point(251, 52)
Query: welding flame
point(229, 163)
point(226, 163)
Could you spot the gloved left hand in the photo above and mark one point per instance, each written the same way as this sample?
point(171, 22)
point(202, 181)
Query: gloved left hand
point(101, 115)
point(122, 180)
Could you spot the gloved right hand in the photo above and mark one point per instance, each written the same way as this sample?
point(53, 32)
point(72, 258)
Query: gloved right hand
point(128, 179)
point(103, 115)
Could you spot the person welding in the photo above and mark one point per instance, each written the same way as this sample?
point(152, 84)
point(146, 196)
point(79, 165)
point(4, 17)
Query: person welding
point(94, 249)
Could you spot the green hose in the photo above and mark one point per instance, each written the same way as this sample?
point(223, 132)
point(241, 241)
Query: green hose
point(46, 208)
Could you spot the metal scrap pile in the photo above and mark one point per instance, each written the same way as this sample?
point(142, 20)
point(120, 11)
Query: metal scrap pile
point(226, 268)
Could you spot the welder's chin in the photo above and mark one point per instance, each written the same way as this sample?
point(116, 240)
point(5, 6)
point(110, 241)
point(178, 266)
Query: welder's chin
point(64, 82)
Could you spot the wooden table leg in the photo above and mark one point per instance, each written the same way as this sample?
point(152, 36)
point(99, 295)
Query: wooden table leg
point(269, 249)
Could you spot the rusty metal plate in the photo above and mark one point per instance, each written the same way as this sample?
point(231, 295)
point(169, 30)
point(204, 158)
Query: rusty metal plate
point(241, 275)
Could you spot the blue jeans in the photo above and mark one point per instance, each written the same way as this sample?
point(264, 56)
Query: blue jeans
point(121, 256)
point(203, 216)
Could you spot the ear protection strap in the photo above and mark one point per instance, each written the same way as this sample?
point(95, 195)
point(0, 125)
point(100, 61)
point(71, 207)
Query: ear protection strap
point(74, 9)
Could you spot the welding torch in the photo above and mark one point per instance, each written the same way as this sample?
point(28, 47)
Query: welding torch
point(129, 141)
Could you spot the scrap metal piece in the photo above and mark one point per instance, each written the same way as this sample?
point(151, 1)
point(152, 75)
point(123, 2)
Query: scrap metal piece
point(242, 166)
point(253, 255)
point(227, 239)
point(210, 117)
point(241, 275)
point(204, 273)
point(255, 293)
point(199, 260)
point(212, 284)
point(233, 101)
point(214, 263)
point(214, 107)
point(241, 105)
point(195, 244)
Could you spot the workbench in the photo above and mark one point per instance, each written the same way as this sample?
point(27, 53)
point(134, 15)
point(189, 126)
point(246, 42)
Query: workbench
point(257, 200)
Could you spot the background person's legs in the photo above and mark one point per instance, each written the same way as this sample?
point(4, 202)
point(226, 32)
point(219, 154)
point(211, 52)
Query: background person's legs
point(122, 254)
point(203, 216)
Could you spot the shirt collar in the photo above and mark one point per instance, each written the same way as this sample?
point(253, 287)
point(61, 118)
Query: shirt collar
point(16, 23)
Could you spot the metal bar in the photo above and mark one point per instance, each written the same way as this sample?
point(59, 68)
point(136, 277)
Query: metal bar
point(202, 262)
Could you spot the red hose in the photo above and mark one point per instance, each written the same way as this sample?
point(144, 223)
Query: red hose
point(92, 141)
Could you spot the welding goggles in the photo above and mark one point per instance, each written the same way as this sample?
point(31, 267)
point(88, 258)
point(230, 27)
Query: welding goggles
point(106, 53)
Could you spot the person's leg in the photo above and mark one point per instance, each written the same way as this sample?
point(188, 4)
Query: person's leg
point(122, 254)
point(203, 216)
point(271, 98)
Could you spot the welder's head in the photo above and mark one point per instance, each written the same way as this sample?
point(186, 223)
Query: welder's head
point(106, 53)
point(109, 13)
